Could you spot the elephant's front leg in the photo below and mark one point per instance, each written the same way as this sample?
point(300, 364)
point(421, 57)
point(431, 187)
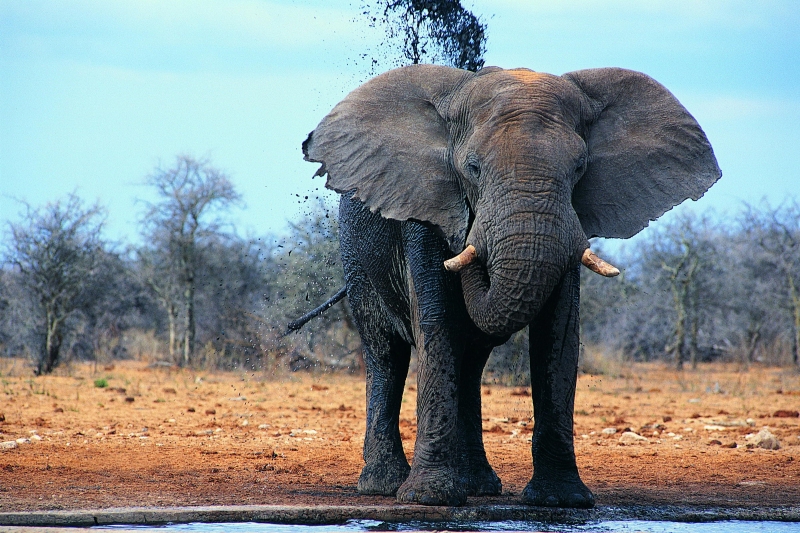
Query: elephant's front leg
point(434, 476)
point(476, 473)
point(554, 348)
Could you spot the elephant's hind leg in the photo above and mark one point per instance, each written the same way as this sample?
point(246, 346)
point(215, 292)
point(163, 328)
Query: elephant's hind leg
point(554, 345)
point(386, 356)
point(369, 244)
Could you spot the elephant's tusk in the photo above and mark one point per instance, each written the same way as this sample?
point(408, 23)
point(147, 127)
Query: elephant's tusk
point(591, 261)
point(461, 260)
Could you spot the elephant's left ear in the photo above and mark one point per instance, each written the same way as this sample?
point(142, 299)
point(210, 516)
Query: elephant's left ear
point(388, 143)
point(646, 153)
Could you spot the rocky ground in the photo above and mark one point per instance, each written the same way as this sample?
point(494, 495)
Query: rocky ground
point(134, 434)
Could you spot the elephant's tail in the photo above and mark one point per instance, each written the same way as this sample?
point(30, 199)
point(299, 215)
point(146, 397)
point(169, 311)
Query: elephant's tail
point(295, 325)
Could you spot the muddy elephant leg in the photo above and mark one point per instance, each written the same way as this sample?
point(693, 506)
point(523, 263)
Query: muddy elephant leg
point(434, 476)
point(554, 348)
point(476, 473)
point(386, 356)
point(365, 240)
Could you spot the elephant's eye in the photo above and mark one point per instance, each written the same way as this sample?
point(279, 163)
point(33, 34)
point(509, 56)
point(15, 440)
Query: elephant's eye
point(473, 168)
point(580, 166)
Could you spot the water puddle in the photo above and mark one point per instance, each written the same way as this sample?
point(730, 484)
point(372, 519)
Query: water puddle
point(626, 526)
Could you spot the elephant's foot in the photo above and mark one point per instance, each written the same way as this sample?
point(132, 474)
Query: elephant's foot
point(483, 481)
point(432, 486)
point(383, 477)
point(558, 491)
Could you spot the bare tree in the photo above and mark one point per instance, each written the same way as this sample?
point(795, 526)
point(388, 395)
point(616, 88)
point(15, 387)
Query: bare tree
point(776, 232)
point(191, 195)
point(159, 274)
point(685, 251)
point(56, 252)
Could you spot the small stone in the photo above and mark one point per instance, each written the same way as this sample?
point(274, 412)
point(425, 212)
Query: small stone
point(244, 423)
point(130, 399)
point(23, 440)
point(36, 437)
point(629, 437)
point(211, 411)
point(263, 426)
point(715, 442)
point(764, 439)
point(609, 431)
point(8, 445)
point(786, 413)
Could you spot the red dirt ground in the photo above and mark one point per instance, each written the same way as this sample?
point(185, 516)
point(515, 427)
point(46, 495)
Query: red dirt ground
point(165, 437)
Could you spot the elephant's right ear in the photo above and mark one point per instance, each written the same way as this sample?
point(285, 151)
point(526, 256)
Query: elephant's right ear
point(387, 142)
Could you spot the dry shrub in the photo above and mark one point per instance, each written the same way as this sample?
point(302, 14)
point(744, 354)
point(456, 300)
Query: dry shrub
point(597, 360)
point(142, 345)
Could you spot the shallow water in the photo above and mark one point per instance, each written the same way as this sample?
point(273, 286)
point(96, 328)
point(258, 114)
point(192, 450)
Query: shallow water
point(627, 526)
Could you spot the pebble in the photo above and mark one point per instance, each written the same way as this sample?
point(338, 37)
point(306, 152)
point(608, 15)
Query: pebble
point(764, 439)
point(609, 431)
point(8, 445)
point(629, 437)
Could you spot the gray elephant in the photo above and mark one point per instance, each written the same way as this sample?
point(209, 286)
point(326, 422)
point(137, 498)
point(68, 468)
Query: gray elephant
point(513, 170)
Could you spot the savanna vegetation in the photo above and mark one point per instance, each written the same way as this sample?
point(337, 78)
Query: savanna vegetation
point(196, 293)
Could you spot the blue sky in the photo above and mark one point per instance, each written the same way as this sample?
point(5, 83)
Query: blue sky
point(95, 94)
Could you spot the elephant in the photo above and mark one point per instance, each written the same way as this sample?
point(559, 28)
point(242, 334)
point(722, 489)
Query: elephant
point(466, 203)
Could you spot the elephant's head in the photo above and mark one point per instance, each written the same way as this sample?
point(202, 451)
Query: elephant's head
point(523, 166)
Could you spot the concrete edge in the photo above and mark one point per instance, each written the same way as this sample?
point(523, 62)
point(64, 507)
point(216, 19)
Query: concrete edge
point(337, 514)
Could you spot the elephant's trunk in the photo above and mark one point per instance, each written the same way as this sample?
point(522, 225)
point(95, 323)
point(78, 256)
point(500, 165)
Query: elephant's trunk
point(526, 253)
